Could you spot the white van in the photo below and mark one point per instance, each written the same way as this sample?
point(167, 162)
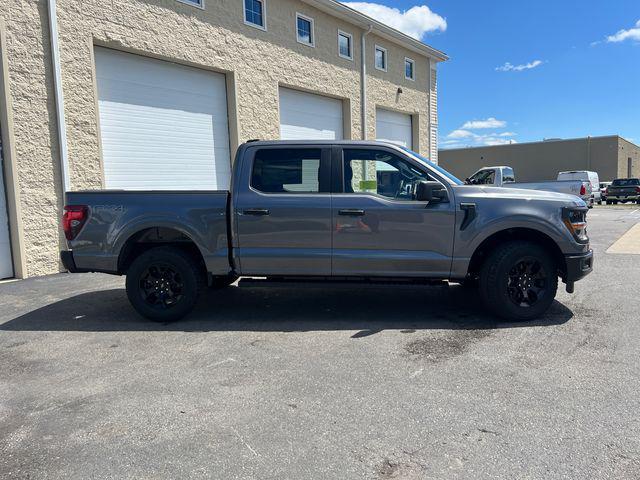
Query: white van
point(585, 176)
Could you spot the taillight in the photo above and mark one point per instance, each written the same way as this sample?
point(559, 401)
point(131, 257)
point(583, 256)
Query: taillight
point(606, 191)
point(638, 190)
point(583, 190)
point(74, 219)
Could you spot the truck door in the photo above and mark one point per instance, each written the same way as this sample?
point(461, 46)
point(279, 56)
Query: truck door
point(283, 211)
point(378, 228)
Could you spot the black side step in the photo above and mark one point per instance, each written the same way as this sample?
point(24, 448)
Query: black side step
point(337, 282)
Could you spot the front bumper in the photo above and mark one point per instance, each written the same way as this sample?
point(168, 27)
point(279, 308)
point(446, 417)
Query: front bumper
point(578, 266)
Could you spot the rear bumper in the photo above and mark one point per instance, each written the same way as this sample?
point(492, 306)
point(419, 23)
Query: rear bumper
point(632, 196)
point(578, 266)
point(67, 260)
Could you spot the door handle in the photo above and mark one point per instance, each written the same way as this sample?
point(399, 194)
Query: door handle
point(352, 212)
point(256, 211)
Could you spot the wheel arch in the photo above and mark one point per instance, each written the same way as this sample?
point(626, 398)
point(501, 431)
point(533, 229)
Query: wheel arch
point(158, 236)
point(511, 234)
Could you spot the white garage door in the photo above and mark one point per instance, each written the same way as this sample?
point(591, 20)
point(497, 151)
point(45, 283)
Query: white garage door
point(305, 116)
point(163, 126)
point(394, 127)
point(6, 264)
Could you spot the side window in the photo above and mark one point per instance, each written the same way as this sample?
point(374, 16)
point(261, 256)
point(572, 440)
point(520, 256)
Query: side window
point(508, 176)
point(483, 177)
point(381, 173)
point(290, 170)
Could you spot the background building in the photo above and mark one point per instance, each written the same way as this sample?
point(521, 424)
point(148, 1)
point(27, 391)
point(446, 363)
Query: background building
point(612, 157)
point(158, 94)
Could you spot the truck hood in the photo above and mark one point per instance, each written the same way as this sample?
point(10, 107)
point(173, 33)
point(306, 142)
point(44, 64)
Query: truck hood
point(517, 194)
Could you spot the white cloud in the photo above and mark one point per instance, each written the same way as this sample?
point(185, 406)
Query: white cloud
point(622, 35)
point(487, 123)
point(508, 67)
point(460, 134)
point(470, 139)
point(415, 22)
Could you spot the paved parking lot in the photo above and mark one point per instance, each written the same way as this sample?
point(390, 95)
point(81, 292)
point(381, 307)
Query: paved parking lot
point(324, 383)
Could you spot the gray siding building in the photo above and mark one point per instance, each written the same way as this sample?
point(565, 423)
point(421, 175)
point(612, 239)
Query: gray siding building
point(611, 156)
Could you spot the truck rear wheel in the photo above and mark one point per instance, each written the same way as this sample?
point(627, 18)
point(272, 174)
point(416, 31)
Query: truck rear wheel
point(519, 281)
point(163, 283)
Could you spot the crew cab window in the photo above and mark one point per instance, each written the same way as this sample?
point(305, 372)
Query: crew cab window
point(508, 176)
point(381, 173)
point(290, 170)
point(625, 182)
point(483, 177)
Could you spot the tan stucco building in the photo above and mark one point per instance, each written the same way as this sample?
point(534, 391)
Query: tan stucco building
point(611, 156)
point(116, 86)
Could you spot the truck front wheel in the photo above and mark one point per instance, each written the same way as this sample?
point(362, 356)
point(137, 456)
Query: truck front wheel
point(163, 283)
point(519, 280)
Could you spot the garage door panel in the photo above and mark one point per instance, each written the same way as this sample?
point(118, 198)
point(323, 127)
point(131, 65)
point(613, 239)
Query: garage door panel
point(307, 116)
point(163, 126)
point(394, 127)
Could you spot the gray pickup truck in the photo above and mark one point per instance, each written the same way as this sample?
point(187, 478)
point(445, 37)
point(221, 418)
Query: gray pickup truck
point(330, 211)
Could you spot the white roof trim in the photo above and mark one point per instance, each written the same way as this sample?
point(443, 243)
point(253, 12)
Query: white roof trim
point(361, 20)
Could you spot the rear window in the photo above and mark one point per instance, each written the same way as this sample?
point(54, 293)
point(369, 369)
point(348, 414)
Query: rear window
point(626, 182)
point(286, 170)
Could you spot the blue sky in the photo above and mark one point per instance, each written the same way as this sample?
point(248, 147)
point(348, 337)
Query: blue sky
point(528, 70)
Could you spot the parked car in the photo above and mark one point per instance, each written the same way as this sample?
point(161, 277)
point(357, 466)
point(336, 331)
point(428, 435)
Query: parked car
point(585, 176)
point(503, 176)
point(603, 190)
point(328, 211)
point(624, 190)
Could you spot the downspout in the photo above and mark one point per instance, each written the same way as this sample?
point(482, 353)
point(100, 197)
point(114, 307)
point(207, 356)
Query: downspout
point(363, 81)
point(57, 85)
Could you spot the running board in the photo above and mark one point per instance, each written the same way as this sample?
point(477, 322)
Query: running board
point(347, 282)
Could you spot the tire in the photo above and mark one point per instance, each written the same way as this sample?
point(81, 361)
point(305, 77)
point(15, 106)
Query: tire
point(163, 284)
point(218, 283)
point(516, 293)
point(615, 202)
point(599, 202)
point(608, 202)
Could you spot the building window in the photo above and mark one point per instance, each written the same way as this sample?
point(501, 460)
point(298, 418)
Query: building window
point(381, 58)
point(345, 45)
point(290, 170)
point(304, 30)
point(254, 13)
point(409, 69)
point(195, 3)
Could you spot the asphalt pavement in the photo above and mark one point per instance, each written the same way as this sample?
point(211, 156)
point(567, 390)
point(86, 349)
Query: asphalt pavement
point(324, 383)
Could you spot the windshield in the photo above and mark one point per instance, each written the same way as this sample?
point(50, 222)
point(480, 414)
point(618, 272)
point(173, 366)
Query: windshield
point(452, 178)
point(626, 182)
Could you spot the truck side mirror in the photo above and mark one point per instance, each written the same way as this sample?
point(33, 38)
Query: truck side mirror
point(432, 192)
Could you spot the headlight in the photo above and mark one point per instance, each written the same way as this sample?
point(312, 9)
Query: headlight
point(575, 219)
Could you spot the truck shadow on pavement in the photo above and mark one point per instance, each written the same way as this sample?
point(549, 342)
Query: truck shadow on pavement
point(367, 310)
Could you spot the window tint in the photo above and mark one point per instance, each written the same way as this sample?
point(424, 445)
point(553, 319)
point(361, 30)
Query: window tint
point(381, 58)
point(254, 12)
point(483, 177)
point(305, 30)
point(508, 176)
point(626, 182)
point(381, 173)
point(344, 45)
point(291, 170)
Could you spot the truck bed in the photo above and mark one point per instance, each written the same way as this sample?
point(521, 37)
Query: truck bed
point(117, 216)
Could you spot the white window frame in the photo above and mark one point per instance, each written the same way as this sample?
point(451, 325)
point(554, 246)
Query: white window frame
point(199, 4)
point(350, 37)
point(385, 56)
point(413, 68)
point(312, 32)
point(264, 16)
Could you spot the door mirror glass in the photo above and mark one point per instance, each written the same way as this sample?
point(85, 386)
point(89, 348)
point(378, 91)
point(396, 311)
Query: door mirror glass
point(432, 192)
